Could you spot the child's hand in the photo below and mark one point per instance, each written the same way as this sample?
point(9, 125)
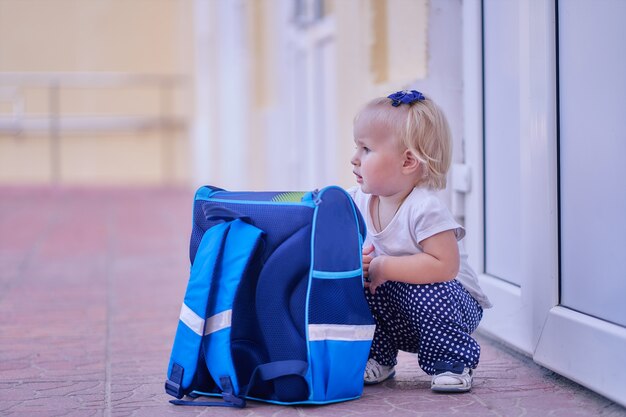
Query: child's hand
point(373, 279)
point(367, 259)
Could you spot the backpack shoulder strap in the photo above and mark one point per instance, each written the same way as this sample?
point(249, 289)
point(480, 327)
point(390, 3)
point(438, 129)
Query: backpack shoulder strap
point(222, 258)
point(187, 342)
point(239, 251)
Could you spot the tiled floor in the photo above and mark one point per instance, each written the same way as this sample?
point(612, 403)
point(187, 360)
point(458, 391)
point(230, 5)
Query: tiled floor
point(91, 283)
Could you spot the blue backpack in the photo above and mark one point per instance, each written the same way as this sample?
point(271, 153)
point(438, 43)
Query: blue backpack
point(274, 309)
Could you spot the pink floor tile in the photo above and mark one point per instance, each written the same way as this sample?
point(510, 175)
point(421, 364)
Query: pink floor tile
point(91, 282)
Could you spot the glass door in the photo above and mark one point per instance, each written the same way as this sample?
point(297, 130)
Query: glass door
point(592, 97)
point(512, 156)
point(546, 139)
point(586, 335)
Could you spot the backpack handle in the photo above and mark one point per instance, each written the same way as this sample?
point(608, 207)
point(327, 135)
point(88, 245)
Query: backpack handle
point(216, 213)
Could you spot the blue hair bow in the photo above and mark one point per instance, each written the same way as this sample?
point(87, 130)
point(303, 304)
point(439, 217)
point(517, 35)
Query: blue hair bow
point(406, 97)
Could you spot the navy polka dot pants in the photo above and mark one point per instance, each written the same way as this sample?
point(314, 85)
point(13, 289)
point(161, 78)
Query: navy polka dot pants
point(433, 320)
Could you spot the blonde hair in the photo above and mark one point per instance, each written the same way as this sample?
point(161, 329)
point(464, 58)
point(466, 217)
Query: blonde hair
point(422, 128)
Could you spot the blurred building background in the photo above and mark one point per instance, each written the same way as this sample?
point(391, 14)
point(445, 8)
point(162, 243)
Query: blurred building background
point(260, 94)
point(95, 92)
point(247, 94)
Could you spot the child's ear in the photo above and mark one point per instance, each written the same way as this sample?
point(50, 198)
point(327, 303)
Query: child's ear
point(410, 163)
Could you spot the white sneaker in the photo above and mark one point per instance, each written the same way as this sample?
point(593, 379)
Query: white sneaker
point(450, 381)
point(376, 373)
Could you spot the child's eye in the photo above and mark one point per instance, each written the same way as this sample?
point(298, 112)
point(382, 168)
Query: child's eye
point(366, 149)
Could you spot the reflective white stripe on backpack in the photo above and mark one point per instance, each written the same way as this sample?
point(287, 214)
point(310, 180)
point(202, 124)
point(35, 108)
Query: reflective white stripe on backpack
point(343, 332)
point(192, 320)
point(201, 327)
point(218, 322)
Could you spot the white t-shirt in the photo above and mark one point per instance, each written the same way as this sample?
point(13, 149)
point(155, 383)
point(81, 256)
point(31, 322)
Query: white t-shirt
point(420, 216)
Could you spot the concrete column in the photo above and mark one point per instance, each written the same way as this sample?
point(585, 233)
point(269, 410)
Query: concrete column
point(233, 95)
point(202, 130)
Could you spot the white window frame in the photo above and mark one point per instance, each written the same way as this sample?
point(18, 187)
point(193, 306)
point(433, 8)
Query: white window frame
point(312, 95)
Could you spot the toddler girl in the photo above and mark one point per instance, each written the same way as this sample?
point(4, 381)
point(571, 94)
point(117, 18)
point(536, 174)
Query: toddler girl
point(423, 294)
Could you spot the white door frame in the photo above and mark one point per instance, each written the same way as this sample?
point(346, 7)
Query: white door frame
point(528, 317)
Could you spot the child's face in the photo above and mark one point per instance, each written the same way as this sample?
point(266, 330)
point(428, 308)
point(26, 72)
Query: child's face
point(378, 160)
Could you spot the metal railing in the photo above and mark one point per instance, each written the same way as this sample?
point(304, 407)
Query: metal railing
point(56, 122)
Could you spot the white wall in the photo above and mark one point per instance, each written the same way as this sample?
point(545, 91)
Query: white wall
point(444, 82)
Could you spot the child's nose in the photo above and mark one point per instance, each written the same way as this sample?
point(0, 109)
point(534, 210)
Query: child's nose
point(354, 160)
